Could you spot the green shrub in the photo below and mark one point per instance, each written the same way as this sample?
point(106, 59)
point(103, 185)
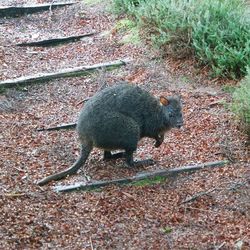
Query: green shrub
point(168, 24)
point(241, 101)
point(217, 32)
point(221, 37)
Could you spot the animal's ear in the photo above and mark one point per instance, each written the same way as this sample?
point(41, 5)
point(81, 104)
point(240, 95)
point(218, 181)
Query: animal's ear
point(164, 101)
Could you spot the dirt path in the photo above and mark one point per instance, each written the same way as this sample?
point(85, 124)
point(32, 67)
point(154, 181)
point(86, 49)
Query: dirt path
point(130, 217)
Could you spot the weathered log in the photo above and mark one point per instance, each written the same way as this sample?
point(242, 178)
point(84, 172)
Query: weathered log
point(14, 11)
point(55, 41)
point(139, 176)
point(77, 71)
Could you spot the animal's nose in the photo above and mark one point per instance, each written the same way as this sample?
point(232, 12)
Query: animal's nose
point(180, 124)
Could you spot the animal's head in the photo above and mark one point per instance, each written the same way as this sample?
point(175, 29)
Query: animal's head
point(173, 111)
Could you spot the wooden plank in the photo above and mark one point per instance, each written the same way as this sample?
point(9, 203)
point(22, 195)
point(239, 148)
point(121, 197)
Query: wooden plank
point(55, 41)
point(77, 71)
point(15, 11)
point(140, 176)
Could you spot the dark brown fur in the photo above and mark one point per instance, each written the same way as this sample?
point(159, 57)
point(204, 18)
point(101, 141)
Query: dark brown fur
point(117, 118)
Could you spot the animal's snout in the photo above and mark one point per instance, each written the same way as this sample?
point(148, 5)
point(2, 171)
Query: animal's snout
point(179, 124)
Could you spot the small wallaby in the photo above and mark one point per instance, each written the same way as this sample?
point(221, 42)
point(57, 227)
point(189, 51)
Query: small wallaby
point(117, 118)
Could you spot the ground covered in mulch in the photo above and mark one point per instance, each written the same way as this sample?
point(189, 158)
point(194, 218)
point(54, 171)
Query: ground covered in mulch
point(158, 216)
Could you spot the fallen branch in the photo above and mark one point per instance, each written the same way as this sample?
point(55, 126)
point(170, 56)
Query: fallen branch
point(62, 126)
point(139, 176)
point(78, 71)
point(14, 11)
point(55, 41)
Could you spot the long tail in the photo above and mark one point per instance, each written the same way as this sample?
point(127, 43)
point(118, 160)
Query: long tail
point(85, 151)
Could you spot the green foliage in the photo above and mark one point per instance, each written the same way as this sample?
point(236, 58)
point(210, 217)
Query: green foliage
point(126, 6)
point(130, 30)
point(217, 32)
point(167, 230)
point(2, 90)
point(132, 37)
point(125, 24)
point(91, 2)
point(228, 89)
point(241, 101)
point(149, 181)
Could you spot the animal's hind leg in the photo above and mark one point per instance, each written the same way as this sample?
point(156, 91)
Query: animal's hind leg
point(131, 163)
point(108, 155)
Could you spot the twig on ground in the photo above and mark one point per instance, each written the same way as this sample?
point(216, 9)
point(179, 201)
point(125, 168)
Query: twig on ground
point(13, 194)
point(50, 7)
point(196, 196)
point(81, 102)
point(91, 243)
point(234, 186)
point(220, 246)
point(62, 126)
